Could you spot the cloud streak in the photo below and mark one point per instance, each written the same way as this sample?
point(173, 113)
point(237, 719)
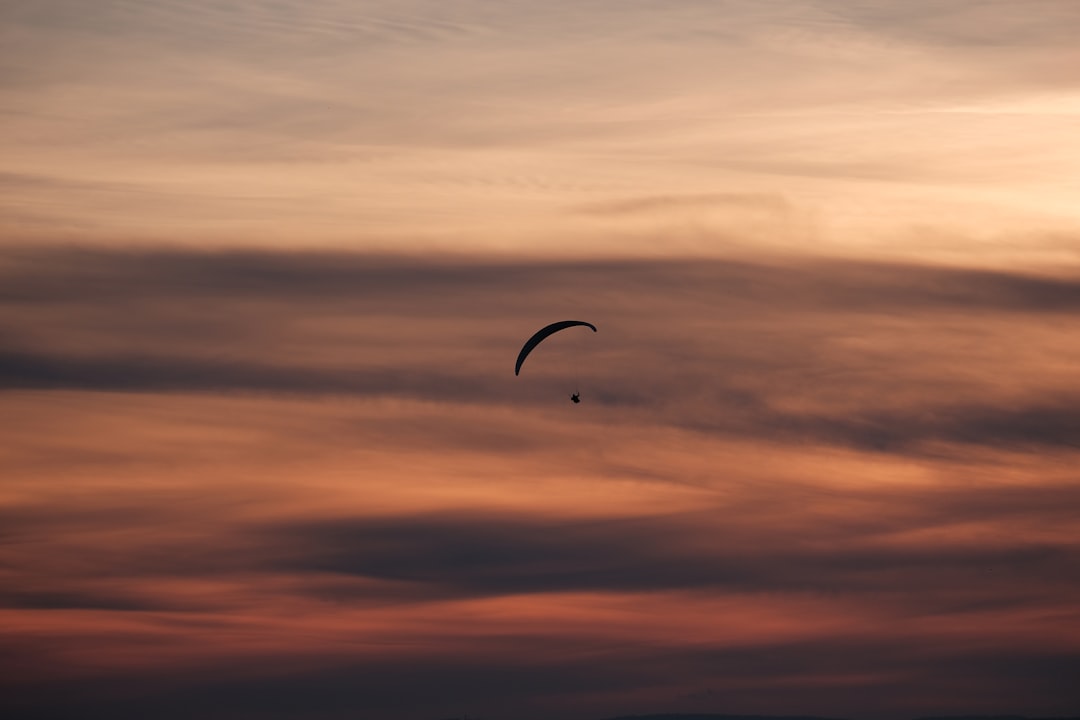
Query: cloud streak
point(263, 122)
point(238, 478)
point(825, 461)
point(781, 352)
point(94, 274)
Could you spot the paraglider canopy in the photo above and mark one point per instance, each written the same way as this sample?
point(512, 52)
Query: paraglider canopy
point(542, 334)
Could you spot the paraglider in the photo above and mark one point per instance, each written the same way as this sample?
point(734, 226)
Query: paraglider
point(541, 335)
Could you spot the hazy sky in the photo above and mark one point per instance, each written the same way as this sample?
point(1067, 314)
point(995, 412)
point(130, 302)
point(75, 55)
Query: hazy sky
point(942, 126)
point(265, 267)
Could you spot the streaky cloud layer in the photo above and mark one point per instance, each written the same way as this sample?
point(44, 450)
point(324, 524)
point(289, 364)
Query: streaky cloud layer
point(265, 266)
point(383, 125)
point(235, 480)
point(834, 352)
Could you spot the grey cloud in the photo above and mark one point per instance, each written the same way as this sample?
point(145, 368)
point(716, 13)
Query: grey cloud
point(85, 274)
point(736, 547)
point(160, 374)
point(737, 413)
point(718, 346)
point(1048, 424)
point(74, 600)
point(561, 677)
point(479, 556)
point(251, 26)
point(522, 683)
point(966, 23)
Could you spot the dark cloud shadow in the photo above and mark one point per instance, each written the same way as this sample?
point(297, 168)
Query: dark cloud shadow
point(878, 357)
point(476, 556)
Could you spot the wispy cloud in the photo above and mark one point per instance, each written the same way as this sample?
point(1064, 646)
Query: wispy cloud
point(826, 456)
point(262, 122)
point(799, 351)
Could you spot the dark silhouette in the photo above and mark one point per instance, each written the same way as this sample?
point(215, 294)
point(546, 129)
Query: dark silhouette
point(576, 397)
point(709, 716)
point(544, 332)
point(699, 716)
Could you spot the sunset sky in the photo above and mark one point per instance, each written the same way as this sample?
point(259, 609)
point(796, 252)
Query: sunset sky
point(266, 265)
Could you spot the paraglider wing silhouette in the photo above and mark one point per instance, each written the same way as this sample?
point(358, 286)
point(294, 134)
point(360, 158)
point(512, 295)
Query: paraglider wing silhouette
point(542, 334)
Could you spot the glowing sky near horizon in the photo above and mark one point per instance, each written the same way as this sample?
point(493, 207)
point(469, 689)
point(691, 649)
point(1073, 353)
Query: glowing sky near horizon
point(265, 267)
point(839, 125)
